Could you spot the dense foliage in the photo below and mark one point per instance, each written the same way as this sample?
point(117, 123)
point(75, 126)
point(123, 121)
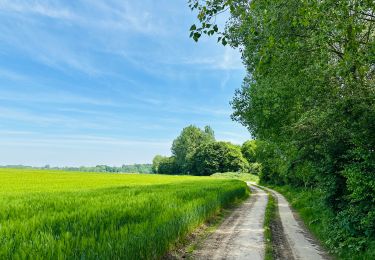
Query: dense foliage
point(309, 98)
point(168, 165)
point(70, 215)
point(248, 150)
point(318, 218)
point(195, 152)
point(186, 144)
point(218, 157)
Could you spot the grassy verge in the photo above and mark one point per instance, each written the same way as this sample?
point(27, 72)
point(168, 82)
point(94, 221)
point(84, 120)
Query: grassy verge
point(270, 216)
point(238, 176)
point(319, 220)
point(67, 215)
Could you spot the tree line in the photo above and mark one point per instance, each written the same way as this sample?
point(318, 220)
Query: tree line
point(196, 152)
point(308, 98)
point(130, 168)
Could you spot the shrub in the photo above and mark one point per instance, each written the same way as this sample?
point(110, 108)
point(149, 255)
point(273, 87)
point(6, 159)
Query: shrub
point(218, 157)
point(168, 166)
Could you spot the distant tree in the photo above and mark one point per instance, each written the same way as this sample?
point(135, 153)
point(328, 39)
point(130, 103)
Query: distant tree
point(185, 145)
point(156, 163)
point(216, 157)
point(136, 168)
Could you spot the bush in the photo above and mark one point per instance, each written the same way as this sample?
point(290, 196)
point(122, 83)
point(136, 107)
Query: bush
point(268, 155)
point(255, 168)
point(156, 162)
point(218, 157)
point(168, 166)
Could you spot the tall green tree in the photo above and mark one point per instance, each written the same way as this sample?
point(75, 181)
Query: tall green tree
point(309, 95)
point(186, 144)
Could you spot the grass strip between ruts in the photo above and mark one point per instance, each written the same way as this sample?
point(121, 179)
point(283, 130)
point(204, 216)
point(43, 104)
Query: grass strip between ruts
point(269, 217)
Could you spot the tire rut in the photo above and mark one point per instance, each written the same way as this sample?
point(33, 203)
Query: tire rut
point(280, 247)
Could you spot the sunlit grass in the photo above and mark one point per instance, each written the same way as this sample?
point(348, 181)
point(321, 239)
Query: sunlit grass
point(238, 176)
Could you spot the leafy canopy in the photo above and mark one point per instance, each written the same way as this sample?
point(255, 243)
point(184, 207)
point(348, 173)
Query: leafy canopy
point(309, 97)
point(218, 157)
point(186, 144)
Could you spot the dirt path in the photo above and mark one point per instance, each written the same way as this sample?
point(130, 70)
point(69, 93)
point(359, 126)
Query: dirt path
point(295, 241)
point(240, 236)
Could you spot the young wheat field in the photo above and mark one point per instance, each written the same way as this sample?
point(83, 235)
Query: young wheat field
point(71, 215)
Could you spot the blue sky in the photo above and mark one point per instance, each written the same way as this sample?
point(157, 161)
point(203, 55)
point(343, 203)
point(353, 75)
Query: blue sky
point(108, 82)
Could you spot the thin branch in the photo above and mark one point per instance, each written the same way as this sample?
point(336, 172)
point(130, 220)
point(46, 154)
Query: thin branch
point(368, 14)
point(339, 53)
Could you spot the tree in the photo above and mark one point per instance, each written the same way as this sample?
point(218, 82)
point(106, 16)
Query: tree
point(210, 132)
point(308, 95)
point(248, 150)
point(156, 163)
point(168, 166)
point(216, 157)
point(185, 145)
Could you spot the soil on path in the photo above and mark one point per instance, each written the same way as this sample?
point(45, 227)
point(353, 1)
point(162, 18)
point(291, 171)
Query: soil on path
point(291, 239)
point(240, 236)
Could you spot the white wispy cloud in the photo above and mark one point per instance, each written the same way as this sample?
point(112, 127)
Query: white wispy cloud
point(37, 7)
point(112, 19)
point(15, 132)
point(229, 59)
point(39, 149)
point(236, 137)
point(225, 80)
point(94, 14)
point(48, 120)
point(35, 138)
point(111, 25)
point(12, 75)
point(45, 47)
point(210, 111)
point(55, 97)
point(126, 16)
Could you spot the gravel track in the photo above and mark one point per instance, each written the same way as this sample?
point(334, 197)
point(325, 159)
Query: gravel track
point(300, 242)
point(240, 236)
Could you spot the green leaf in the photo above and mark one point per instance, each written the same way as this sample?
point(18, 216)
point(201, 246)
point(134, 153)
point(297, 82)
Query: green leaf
point(196, 36)
point(224, 41)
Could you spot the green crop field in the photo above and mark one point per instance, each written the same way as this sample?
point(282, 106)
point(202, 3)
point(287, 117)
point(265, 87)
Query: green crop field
point(65, 215)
